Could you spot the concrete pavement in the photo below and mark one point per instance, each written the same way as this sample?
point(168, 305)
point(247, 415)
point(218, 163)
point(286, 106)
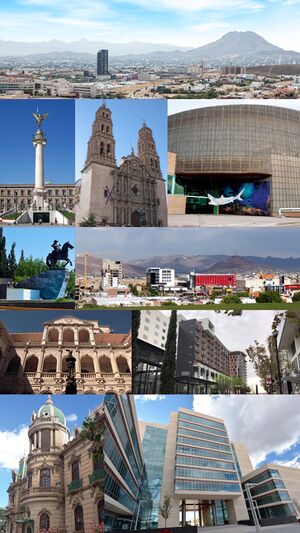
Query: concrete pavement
point(214, 221)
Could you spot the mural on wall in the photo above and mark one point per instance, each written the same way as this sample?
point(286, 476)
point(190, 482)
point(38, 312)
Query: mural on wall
point(215, 194)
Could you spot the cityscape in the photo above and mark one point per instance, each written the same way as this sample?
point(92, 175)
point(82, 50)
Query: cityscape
point(149, 266)
point(161, 276)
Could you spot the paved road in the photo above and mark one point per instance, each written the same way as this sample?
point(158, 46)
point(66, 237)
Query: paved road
point(230, 221)
point(288, 528)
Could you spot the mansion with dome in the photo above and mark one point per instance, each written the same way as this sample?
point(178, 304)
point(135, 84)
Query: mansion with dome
point(35, 362)
point(59, 485)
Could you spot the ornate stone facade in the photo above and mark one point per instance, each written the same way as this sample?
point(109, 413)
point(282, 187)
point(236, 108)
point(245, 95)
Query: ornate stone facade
point(20, 197)
point(132, 194)
point(103, 358)
point(12, 377)
point(59, 484)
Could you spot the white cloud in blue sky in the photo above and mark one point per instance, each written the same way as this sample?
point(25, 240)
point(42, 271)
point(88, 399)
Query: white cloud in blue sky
point(13, 445)
point(72, 417)
point(190, 23)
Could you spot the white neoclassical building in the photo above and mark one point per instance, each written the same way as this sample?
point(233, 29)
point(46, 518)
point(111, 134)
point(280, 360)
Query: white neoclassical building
point(103, 358)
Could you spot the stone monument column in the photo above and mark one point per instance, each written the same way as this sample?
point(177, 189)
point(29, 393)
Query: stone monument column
point(39, 143)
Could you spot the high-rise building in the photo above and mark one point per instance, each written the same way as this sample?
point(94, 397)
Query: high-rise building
point(132, 194)
point(102, 63)
point(124, 464)
point(238, 365)
point(111, 274)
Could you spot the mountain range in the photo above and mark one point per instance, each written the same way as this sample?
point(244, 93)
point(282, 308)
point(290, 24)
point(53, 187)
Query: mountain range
point(212, 264)
point(231, 45)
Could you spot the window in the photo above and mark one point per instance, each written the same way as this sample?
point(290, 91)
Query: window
point(78, 515)
point(29, 480)
point(44, 521)
point(75, 471)
point(45, 480)
point(100, 511)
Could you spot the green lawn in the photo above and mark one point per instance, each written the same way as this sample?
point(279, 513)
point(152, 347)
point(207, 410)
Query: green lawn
point(237, 307)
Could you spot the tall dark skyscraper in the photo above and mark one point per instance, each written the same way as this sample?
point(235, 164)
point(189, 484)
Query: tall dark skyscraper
point(102, 63)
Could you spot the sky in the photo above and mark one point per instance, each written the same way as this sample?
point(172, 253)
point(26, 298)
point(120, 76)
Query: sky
point(191, 23)
point(239, 332)
point(136, 243)
point(37, 241)
point(17, 127)
point(176, 106)
point(127, 117)
point(33, 321)
point(260, 422)
point(15, 420)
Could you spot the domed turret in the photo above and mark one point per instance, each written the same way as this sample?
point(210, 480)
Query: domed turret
point(48, 430)
point(49, 410)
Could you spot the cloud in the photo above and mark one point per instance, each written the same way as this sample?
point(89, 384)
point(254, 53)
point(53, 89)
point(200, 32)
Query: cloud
point(13, 445)
point(72, 418)
point(198, 5)
point(266, 424)
point(149, 397)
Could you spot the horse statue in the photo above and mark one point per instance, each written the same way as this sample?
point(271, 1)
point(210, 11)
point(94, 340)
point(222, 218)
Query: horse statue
point(59, 254)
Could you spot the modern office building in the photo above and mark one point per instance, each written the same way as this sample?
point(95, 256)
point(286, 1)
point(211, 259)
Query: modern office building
point(201, 356)
point(288, 343)
point(103, 358)
point(124, 465)
point(213, 281)
point(131, 194)
point(102, 63)
point(234, 159)
point(275, 492)
point(58, 485)
point(154, 439)
point(238, 365)
point(160, 278)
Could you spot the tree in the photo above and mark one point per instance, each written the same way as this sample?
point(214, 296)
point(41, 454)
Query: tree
point(71, 285)
point(262, 363)
point(269, 297)
point(231, 299)
point(2, 520)
point(136, 320)
point(3, 256)
point(90, 222)
point(29, 267)
point(12, 262)
point(165, 508)
point(168, 369)
point(296, 297)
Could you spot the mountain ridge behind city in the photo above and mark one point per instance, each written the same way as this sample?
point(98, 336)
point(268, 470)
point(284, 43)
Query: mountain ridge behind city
point(231, 44)
point(183, 264)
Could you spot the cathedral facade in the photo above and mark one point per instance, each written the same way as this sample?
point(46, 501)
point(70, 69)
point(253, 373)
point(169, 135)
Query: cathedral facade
point(103, 358)
point(59, 484)
point(132, 194)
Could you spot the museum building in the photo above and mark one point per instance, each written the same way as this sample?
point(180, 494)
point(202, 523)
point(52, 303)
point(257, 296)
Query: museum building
point(58, 485)
point(234, 159)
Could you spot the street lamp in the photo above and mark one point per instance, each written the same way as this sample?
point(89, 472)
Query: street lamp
point(248, 487)
point(71, 387)
point(275, 335)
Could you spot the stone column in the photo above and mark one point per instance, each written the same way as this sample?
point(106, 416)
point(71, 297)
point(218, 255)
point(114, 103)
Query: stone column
point(59, 363)
point(39, 163)
point(60, 335)
point(96, 363)
point(77, 364)
point(114, 364)
point(76, 336)
point(45, 335)
point(41, 361)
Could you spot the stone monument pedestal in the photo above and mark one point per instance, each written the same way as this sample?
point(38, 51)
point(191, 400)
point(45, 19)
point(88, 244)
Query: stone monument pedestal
point(52, 284)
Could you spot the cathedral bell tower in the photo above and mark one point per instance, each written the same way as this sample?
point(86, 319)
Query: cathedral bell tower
point(101, 146)
point(97, 191)
point(147, 151)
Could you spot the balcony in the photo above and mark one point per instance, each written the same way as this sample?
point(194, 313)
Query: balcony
point(96, 476)
point(75, 485)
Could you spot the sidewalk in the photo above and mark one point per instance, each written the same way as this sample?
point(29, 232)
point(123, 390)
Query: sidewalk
point(285, 528)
